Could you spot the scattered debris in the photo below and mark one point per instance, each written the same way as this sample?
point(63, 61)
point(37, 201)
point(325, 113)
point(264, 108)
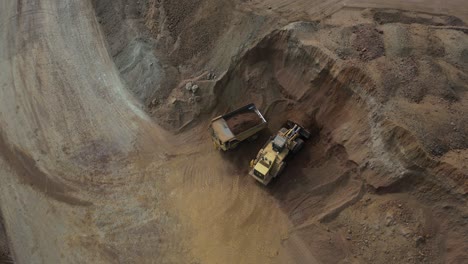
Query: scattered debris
point(195, 88)
point(188, 86)
point(211, 76)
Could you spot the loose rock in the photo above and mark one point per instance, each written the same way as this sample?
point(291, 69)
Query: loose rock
point(188, 86)
point(195, 88)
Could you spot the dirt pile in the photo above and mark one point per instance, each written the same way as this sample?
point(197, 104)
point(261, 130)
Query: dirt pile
point(243, 121)
point(368, 42)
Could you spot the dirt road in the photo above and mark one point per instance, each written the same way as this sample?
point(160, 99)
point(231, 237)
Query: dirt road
point(88, 174)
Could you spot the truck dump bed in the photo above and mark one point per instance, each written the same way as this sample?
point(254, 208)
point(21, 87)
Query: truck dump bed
point(240, 124)
point(243, 121)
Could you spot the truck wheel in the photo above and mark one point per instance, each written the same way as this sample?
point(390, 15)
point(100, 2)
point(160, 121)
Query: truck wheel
point(298, 146)
point(253, 138)
point(233, 144)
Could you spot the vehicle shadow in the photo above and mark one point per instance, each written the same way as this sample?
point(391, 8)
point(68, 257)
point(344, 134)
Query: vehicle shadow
point(293, 177)
point(241, 156)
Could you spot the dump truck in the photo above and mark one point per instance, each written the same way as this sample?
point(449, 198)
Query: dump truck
point(271, 159)
point(228, 130)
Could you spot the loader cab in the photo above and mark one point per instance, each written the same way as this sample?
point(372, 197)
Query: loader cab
point(279, 142)
point(264, 165)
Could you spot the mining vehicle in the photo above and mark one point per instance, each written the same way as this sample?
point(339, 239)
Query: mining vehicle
point(270, 160)
point(228, 130)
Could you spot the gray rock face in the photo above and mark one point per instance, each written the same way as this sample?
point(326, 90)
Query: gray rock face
point(140, 69)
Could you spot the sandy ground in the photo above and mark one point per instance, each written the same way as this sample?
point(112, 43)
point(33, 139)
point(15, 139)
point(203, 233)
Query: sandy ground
point(105, 156)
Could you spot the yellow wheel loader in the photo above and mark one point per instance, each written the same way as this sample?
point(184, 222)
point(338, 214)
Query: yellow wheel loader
point(270, 160)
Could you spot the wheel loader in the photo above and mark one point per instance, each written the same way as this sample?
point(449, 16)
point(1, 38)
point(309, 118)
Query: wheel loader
point(271, 159)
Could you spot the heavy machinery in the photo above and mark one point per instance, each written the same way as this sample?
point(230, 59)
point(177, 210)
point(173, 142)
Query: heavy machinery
point(228, 130)
point(270, 160)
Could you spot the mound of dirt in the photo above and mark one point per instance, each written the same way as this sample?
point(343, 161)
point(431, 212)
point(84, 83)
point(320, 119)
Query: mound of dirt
point(368, 42)
point(243, 121)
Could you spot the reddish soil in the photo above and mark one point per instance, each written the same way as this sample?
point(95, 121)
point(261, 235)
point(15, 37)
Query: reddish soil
point(243, 121)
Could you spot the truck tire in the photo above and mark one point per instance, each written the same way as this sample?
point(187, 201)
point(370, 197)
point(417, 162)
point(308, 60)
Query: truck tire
point(234, 144)
point(298, 146)
point(252, 138)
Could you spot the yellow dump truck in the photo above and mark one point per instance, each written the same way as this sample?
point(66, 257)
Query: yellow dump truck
point(228, 130)
point(270, 160)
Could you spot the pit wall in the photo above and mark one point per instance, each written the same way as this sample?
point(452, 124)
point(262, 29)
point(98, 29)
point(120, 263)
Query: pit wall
point(288, 76)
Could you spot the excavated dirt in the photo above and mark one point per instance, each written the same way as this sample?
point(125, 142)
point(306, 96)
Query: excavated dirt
point(105, 155)
point(243, 121)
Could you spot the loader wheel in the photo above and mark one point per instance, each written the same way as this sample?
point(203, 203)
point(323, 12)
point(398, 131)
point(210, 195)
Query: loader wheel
point(298, 146)
point(280, 169)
